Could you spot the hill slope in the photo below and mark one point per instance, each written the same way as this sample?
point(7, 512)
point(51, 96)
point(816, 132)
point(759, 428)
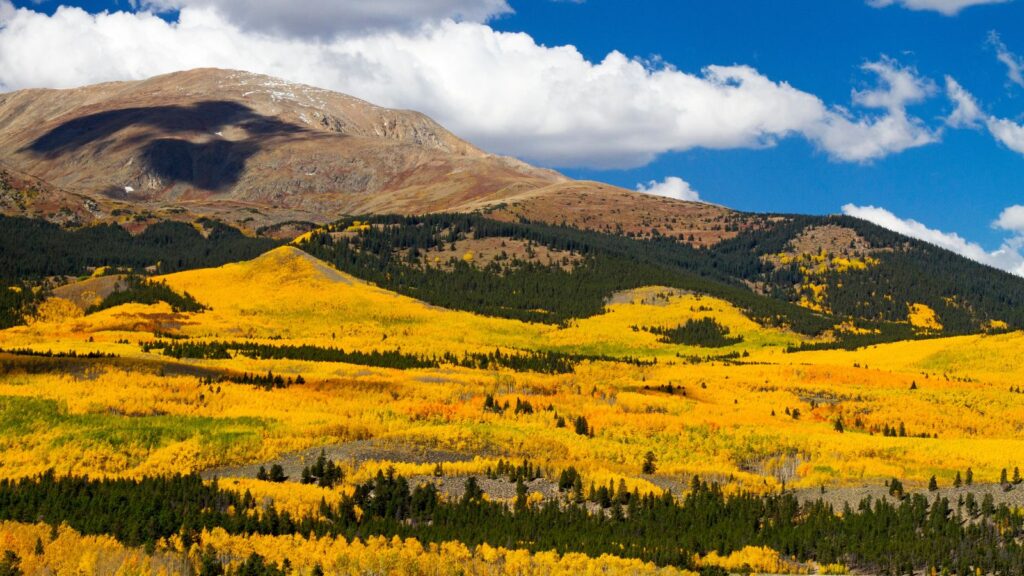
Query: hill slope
point(811, 274)
point(250, 148)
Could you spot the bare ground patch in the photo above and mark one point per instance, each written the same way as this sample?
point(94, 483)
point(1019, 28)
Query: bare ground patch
point(353, 453)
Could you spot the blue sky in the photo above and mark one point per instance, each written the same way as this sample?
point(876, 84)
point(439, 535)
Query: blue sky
point(954, 180)
point(960, 184)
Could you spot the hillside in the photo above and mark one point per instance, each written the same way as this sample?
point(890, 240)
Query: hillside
point(251, 150)
point(811, 274)
point(605, 428)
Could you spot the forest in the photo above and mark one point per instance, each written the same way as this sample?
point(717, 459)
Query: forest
point(912, 534)
point(547, 362)
point(32, 249)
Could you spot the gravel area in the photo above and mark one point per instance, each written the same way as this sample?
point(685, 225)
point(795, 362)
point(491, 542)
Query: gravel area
point(353, 453)
point(853, 495)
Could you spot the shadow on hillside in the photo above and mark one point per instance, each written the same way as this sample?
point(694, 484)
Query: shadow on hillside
point(213, 165)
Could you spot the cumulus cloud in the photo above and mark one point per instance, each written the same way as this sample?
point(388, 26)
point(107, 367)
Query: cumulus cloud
point(1011, 219)
point(670, 187)
point(1008, 257)
point(946, 7)
point(1014, 64)
point(326, 18)
point(502, 91)
point(967, 113)
point(6, 11)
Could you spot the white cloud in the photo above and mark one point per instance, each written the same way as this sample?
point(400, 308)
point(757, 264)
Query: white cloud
point(946, 7)
point(6, 11)
point(1008, 257)
point(1010, 133)
point(670, 187)
point(1011, 219)
point(900, 86)
point(326, 18)
point(1014, 64)
point(502, 91)
point(866, 139)
point(967, 113)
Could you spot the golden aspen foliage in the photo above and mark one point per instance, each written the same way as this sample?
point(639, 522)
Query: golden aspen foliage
point(55, 310)
point(923, 317)
point(758, 419)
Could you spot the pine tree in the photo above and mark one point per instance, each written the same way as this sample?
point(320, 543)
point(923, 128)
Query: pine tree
point(896, 489)
point(582, 427)
point(958, 482)
point(209, 565)
point(473, 492)
point(10, 564)
point(933, 484)
point(988, 505)
point(969, 480)
point(971, 503)
point(277, 473)
point(650, 463)
point(521, 492)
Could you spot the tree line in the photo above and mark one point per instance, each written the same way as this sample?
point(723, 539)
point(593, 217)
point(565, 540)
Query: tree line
point(33, 249)
point(548, 362)
point(912, 534)
point(143, 291)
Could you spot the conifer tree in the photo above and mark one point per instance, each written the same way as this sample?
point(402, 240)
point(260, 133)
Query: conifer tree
point(650, 463)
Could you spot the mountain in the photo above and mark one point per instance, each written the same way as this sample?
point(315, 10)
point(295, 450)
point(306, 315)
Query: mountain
point(268, 155)
point(245, 148)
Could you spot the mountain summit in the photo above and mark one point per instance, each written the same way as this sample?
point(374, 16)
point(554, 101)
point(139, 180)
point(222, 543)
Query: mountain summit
point(247, 148)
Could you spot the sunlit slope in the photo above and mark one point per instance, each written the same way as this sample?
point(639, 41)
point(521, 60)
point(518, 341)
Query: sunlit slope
point(287, 294)
point(978, 358)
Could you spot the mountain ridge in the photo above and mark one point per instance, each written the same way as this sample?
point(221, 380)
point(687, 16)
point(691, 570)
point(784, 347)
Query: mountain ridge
point(250, 149)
